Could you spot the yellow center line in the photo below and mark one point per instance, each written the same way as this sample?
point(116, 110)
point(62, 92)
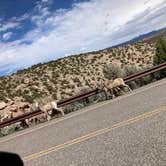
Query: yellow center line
point(94, 134)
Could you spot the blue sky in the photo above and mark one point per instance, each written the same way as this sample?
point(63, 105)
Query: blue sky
point(33, 31)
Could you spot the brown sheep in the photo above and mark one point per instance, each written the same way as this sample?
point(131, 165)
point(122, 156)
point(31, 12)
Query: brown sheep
point(111, 85)
point(18, 112)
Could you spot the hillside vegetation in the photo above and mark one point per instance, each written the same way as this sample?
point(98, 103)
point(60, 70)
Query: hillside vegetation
point(69, 76)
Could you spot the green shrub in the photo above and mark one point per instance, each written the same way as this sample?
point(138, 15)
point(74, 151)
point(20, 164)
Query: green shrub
point(160, 56)
point(129, 70)
point(73, 107)
point(132, 69)
point(112, 71)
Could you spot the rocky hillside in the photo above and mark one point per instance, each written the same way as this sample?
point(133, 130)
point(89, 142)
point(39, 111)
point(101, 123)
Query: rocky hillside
point(66, 77)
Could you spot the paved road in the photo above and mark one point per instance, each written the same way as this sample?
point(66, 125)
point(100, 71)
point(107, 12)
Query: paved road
point(129, 130)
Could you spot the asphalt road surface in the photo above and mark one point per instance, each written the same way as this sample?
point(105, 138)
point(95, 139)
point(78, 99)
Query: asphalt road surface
point(127, 131)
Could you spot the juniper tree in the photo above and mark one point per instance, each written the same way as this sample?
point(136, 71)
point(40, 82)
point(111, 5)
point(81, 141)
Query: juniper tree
point(160, 57)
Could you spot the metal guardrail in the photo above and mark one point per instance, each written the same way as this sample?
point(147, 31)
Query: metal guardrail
point(146, 72)
point(77, 98)
point(82, 96)
point(20, 118)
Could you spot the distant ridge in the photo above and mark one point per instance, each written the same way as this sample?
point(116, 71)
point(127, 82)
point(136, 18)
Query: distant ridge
point(148, 37)
point(156, 36)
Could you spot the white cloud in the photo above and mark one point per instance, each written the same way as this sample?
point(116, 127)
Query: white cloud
point(45, 0)
point(7, 35)
point(41, 11)
point(8, 25)
point(13, 23)
point(21, 18)
point(87, 26)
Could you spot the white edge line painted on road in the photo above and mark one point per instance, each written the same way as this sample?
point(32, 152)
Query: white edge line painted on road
point(137, 91)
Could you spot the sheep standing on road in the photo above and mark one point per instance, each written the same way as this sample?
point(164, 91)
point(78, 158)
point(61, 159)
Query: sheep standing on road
point(111, 85)
point(51, 109)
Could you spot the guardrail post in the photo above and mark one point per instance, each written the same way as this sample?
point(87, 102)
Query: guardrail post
point(87, 100)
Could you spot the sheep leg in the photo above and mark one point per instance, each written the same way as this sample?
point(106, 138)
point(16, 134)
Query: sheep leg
point(122, 91)
point(105, 92)
point(118, 90)
point(27, 121)
point(47, 115)
point(61, 111)
point(112, 93)
point(24, 124)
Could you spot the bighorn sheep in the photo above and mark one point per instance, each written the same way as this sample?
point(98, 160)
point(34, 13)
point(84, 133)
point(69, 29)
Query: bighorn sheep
point(111, 85)
point(18, 112)
point(14, 112)
point(51, 108)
